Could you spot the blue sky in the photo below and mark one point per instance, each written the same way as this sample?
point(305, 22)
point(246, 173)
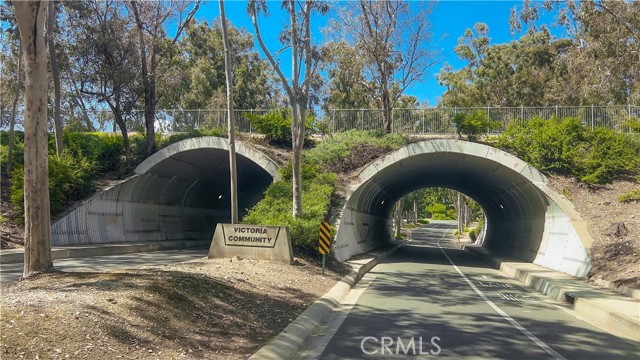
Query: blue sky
point(449, 21)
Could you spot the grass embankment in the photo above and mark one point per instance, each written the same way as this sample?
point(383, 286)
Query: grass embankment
point(322, 166)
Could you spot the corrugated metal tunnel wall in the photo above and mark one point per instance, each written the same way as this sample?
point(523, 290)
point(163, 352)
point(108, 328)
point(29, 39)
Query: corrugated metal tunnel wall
point(179, 193)
point(525, 219)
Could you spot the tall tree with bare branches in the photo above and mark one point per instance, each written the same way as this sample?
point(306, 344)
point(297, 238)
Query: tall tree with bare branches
point(296, 39)
point(150, 18)
point(392, 39)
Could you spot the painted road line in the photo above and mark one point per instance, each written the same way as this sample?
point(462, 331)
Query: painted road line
point(320, 340)
point(495, 307)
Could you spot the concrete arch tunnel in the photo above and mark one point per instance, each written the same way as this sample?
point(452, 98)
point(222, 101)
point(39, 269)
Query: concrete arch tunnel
point(525, 218)
point(178, 193)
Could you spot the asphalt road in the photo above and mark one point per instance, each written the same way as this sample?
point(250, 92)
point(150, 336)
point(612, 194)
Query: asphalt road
point(10, 273)
point(449, 304)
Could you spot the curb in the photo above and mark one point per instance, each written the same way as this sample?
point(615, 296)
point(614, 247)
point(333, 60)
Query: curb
point(17, 256)
point(290, 340)
point(615, 312)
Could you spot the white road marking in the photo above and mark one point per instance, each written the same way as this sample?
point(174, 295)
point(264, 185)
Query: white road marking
point(495, 307)
point(319, 341)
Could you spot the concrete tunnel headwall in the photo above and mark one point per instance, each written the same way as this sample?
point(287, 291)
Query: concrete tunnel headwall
point(525, 218)
point(179, 193)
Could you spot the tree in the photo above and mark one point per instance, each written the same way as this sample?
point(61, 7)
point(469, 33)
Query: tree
point(345, 68)
point(393, 43)
point(150, 18)
point(106, 50)
point(304, 60)
point(202, 74)
point(55, 74)
point(525, 72)
point(231, 124)
point(604, 61)
point(30, 16)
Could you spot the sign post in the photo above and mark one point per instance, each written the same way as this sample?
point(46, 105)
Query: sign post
point(324, 244)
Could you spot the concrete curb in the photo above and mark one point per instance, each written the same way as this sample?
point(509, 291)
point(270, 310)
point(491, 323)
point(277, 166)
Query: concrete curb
point(286, 344)
point(13, 256)
point(616, 313)
point(619, 288)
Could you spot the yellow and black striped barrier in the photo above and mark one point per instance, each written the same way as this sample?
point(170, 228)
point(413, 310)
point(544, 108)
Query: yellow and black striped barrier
point(324, 244)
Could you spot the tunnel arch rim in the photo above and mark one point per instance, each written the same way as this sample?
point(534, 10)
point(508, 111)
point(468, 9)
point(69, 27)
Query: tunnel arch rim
point(467, 148)
point(210, 142)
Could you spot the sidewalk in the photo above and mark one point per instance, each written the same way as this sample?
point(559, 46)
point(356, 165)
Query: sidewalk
point(616, 313)
point(12, 256)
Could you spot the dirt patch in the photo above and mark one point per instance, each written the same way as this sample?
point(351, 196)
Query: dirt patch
point(614, 226)
point(213, 309)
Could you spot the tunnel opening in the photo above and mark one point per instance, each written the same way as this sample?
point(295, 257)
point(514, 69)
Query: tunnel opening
point(523, 219)
point(179, 193)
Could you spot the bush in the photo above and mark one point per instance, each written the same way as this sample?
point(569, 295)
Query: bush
point(164, 141)
point(473, 124)
point(350, 150)
point(473, 234)
point(105, 149)
point(633, 195)
point(276, 126)
point(423, 221)
point(567, 147)
point(275, 208)
point(70, 178)
point(18, 150)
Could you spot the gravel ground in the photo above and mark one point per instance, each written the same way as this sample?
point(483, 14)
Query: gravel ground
point(614, 257)
point(213, 309)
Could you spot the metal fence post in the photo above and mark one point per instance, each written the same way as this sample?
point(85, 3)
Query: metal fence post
point(592, 118)
point(556, 110)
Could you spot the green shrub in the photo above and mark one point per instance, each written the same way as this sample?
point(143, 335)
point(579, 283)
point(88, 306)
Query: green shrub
point(164, 141)
point(18, 152)
point(336, 149)
point(567, 147)
point(473, 234)
point(423, 221)
point(275, 208)
point(105, 149)
point(474, 124)
point(70, 178)
point(633, 195)
point(276, 126)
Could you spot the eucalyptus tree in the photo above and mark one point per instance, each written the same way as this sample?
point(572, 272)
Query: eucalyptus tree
point(604, 59)
point(296, 39)
point(203, 73)
point(30, 17)
point(154, 48)
point(392, 41)
point(105, 51)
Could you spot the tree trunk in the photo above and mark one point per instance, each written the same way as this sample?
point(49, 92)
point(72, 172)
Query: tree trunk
point(12, 121)
point(31, 16)
point(398, 217)
point(119, 120)
point(386, 111)
point(148, 85)
point(55, 73)
point(415, 210)
point(297, 131)
point(231, 123)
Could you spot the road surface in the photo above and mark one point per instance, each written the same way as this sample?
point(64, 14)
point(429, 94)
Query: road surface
point(431, 300)
point(10, 273)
